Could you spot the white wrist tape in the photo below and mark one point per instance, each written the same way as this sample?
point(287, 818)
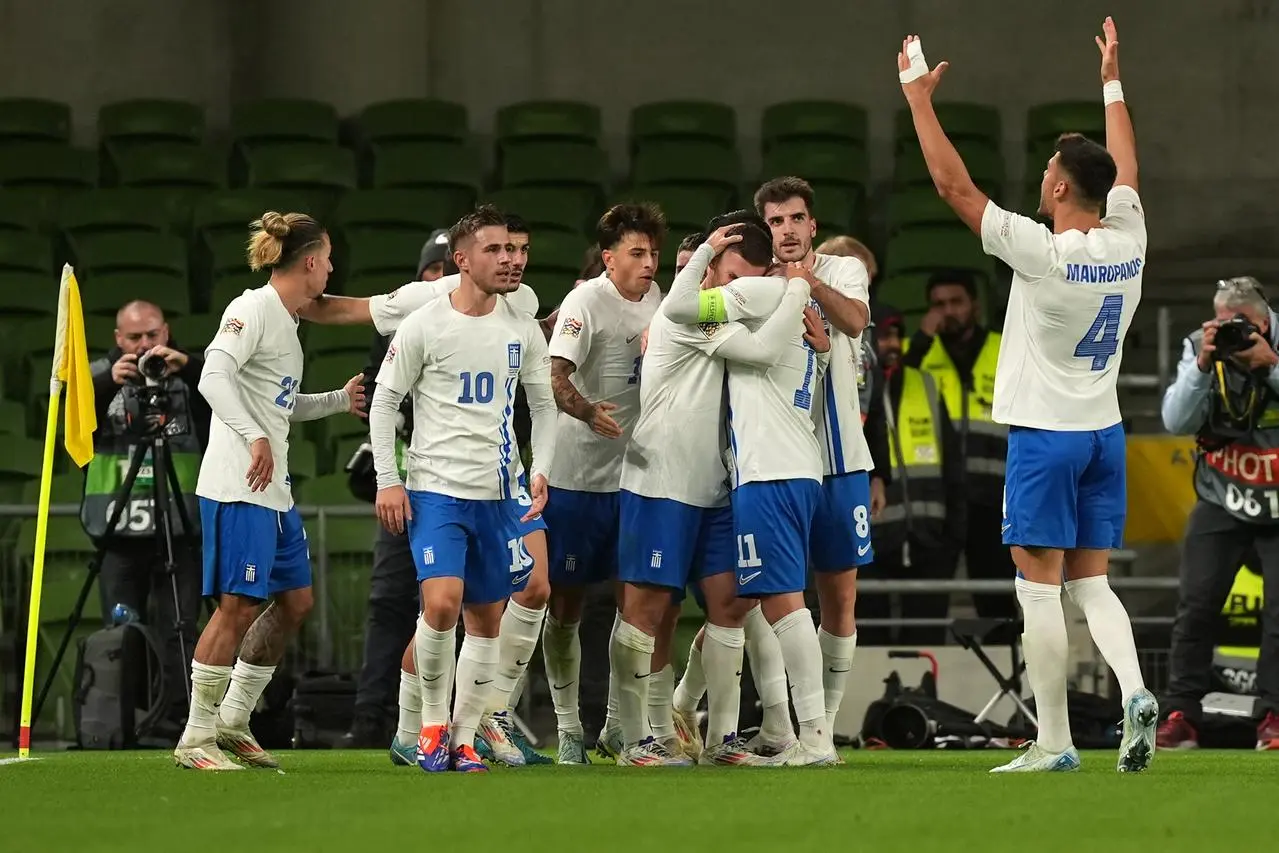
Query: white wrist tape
point(1112, 92)
point(918, 66)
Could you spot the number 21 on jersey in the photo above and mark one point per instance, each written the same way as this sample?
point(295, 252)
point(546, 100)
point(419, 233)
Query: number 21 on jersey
point(1101, 341)
point(288, 390)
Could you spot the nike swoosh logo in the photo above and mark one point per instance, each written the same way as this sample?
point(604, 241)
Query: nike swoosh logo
point(862, 549)
point(519, 579)
point(519, 662)
point(645, 675)
point(429, 679)
point(631, 338)
point(745, 579)
point(561, 686)
point(837, 671)
point(1004, 528)
point(479, 683)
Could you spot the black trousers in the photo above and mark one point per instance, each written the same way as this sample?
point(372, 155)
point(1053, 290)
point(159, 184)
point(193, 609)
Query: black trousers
point(388, 626)
point(927, 562)
point(1214, 547)
point(133, 574)
point(988, 558)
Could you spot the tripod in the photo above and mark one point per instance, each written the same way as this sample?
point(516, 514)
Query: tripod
point(164, 484)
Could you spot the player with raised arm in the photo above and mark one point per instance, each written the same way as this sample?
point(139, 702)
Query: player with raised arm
point(1074, 291)
point(595, 372)
point(466, 510)
point(676, 519)
point(841, 528)
point(255, 549)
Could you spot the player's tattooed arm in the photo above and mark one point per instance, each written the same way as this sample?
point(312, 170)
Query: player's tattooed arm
point(571, 402)
point(265, 641)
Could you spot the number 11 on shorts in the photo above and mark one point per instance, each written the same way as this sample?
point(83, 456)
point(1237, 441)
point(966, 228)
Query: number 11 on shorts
point(747, 556)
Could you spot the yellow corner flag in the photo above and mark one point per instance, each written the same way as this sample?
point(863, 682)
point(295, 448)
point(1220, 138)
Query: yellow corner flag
point(70, 369)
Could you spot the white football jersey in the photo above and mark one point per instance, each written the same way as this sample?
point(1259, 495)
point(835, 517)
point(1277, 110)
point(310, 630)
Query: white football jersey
point(836, 403)
point(462, 372)
point(262, 336)
point(771, 431)
point(676, 446)
point(1073, 297)
point(599, 330)
point(390, 309)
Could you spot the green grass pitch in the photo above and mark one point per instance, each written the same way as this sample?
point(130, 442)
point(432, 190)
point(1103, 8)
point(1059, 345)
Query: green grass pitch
point(878, 801)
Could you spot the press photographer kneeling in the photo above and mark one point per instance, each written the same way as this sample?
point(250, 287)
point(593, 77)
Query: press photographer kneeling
point(1227, 395)
point(153, 423)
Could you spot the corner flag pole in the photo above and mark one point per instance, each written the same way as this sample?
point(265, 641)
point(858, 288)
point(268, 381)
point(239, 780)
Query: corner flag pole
point(70, 370)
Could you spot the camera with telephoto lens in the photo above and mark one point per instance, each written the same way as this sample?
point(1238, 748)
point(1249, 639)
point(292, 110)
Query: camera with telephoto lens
point(154, 406)
point(1233, 336)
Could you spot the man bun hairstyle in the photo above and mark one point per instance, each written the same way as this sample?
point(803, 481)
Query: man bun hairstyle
point(484, 216)
point(779, 190)
point(631, 218)
point(278, 239)
point(1090, 167)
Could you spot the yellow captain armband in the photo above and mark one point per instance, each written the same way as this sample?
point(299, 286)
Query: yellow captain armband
point(710, 306)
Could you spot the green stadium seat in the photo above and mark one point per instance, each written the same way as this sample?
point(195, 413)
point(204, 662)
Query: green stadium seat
point(34, 119)
point(104, 293)
point(344, 449)
point(228, 287)
point(551, 288)
point(905, 291)
point(818, 162)
point(68, 551)
point(555, 164)
point(373, 284)
point(548, 208)
point(233, 210)
point(563, 121)
point(321, 173)
point(302, 461)
point(383, 252)
point(687, 164)
point(47, 165)
point(125, 252)
point(412, 120)
point(151, 120)
point(13, 418)
point(65, 488)
point(110, 212)
point(17, 214)
point(698, 121)
point(194, 331)
point(328, 340)
point(832, 121)
point(837, 210)
point(27, 253)
point(919, 206)
point(170, 165)
point(558, 254)
point(985, 166)
point(687, 209)
point(961, 121)
point(329, 372)
point(441, 166)
point(227, 254)
point(419, 211)
point(930, 249)
point(1046, 122)
point(275, 120)
point(21, 461)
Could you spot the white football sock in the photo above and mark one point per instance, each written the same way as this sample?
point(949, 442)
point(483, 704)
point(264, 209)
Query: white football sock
point(1111, 630)
point(768, 670)
point(837, 661)
point(723, 649)
point(661, 687)
point(517, 638)
point(562, 651)
point(692, 686)
point(410, 709)
point(476, 669)
point(433, 656)
point(611, 717)
point(247, 683)
point(1044, 648)
point(208, 686)
point(630, 656)
point(798, 638)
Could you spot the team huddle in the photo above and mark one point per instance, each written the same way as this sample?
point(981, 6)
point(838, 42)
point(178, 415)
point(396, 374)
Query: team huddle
point(705, 441)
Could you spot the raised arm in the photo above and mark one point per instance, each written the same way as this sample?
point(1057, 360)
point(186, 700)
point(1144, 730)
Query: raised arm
point(946, 167)
point(687, 302)
point(1121, 141)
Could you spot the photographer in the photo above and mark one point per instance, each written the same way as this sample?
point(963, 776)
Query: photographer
point(1226, 394)
point(145, 386)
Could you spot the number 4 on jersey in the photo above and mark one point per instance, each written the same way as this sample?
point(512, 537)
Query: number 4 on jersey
point(1102, 340)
